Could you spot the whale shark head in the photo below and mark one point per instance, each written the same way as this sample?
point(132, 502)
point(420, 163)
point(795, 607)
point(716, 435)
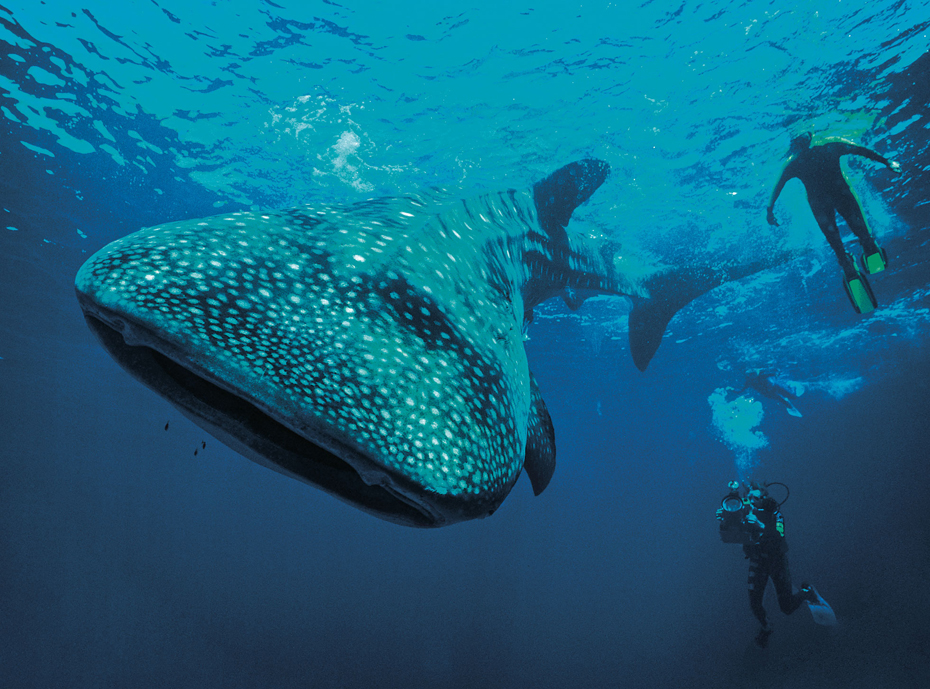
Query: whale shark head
point(373, 350)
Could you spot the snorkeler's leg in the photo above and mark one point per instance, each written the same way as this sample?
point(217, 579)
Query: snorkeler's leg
point(848, 207)
point(827, 222)
point(874, 259)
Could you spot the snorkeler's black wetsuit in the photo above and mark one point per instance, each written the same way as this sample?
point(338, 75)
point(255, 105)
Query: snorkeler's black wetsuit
point(828, 193)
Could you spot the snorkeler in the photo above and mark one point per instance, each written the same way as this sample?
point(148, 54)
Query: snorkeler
point(828, 193)
point(761, 528)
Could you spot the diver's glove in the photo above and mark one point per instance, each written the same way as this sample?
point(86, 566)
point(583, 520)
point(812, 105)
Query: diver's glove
point(752, 521)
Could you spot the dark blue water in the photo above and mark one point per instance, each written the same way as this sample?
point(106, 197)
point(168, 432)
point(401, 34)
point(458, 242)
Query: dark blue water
point(128, 561)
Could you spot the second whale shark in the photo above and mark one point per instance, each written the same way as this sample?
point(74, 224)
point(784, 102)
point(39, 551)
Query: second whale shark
point(373, 350)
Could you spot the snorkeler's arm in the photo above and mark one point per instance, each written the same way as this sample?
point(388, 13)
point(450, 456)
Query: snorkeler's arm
point(770, 211)
point(852, 149)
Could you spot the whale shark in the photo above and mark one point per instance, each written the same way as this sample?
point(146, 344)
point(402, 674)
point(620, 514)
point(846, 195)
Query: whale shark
point(374, 350)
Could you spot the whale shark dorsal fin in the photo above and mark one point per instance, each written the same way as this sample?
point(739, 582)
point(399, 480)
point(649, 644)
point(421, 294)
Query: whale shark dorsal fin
point(539, 460)
point(559, 194)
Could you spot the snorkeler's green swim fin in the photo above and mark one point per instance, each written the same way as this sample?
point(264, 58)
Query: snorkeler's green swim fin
point(860, 293)
point(875, 262)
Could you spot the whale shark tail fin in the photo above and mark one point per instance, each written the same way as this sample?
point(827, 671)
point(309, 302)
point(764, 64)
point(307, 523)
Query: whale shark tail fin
point(669, 292)
point(648, 321)
point(673, 290)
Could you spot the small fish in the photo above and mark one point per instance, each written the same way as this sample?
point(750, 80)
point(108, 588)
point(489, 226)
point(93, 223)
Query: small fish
point(195, 453)
point(376, 350)
point(166, 425)
point(203, 445)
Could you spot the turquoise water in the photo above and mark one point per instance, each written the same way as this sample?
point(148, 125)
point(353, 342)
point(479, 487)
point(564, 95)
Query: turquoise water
point(272, 103)
point(122, 115)
point(268, 105)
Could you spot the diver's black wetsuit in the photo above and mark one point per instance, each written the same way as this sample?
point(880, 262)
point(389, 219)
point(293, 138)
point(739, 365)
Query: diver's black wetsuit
point(767, 552)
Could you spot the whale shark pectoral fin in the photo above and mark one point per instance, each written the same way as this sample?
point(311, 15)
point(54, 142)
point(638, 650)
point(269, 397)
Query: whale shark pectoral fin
point(539, 460)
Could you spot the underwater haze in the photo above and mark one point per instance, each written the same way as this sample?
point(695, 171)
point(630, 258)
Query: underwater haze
point(136, 550)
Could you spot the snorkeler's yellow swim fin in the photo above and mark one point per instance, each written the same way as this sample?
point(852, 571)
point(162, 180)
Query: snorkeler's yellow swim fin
point(875, 262)
point(860, 293)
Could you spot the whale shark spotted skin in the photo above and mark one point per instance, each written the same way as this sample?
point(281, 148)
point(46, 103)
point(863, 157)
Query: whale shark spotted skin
point(373, 350)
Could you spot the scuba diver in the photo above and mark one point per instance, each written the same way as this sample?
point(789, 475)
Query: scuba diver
point(756, 522)
point(828, 193)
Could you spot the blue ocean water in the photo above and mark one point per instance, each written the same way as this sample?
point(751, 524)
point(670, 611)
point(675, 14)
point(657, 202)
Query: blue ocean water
point(127, 560)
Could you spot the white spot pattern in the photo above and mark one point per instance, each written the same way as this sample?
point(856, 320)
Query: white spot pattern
point(329, 321)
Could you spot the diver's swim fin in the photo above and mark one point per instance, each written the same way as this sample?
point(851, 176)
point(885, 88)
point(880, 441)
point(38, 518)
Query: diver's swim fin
point(875, 262)
point(860, 293)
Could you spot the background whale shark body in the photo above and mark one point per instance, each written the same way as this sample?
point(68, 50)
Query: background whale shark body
point(373, 350)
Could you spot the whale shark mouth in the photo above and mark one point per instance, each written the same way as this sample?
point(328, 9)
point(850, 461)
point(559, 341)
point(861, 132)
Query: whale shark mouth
point(372, 349)
point(254, 433)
